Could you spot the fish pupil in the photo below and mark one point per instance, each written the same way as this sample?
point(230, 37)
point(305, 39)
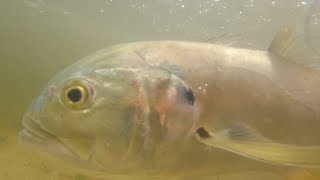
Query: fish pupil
point(74, 95)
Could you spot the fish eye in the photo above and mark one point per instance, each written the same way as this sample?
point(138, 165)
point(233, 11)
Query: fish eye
point(76, 95)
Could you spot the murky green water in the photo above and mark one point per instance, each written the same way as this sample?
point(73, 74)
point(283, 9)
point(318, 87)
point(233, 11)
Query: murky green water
point(40, 37)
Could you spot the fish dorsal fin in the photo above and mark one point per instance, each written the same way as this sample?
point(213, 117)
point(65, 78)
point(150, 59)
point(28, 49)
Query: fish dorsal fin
point(293, 43)
point(228, 39)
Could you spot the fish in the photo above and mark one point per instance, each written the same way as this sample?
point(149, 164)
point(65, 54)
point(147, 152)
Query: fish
point(156, 105)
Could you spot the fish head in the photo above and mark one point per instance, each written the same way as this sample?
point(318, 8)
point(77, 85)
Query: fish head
point(69, 117)
point(104, 116)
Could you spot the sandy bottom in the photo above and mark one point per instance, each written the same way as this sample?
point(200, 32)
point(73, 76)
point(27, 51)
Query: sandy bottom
point(17, 162)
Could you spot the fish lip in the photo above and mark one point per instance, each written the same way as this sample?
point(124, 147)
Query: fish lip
point(34, 130)
point(34, 135)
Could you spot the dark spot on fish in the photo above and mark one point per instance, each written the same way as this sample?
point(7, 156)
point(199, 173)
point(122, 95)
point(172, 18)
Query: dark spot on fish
point(203, 133)
point(188, 94)
point(74, 95)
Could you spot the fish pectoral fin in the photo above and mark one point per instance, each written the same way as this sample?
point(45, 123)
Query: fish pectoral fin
point(246, 141)
point(238, 132)
point(242, 132)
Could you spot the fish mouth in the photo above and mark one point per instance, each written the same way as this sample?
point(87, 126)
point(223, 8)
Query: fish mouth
point(37, 137)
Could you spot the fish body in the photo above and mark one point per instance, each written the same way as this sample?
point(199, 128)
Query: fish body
point(256, 87)
point(157, 105)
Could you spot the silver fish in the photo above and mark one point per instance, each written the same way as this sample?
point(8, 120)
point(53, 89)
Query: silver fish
point(157, 105)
